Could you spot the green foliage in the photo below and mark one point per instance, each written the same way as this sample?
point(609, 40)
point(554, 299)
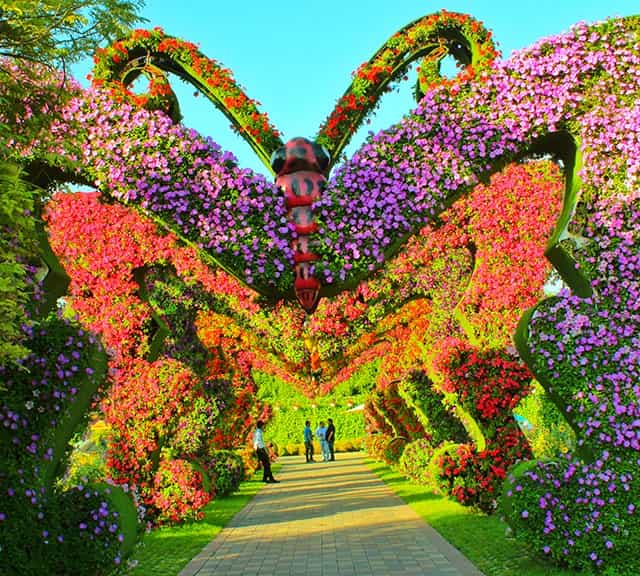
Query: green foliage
point(546, 429)
point(17, 245)
point(291, 408)
point(87, 460)
point(414, 462)
point(56, 32)
point(355, 388)
point(429, 405)
point(287, 425)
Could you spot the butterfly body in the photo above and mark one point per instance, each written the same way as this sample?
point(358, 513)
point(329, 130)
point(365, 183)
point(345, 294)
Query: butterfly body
point(300, 166)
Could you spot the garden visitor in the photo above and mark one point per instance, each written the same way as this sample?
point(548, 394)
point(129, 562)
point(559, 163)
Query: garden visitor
point(331, 438)
point(321, 434)
point(308, 442)
point(263, 455)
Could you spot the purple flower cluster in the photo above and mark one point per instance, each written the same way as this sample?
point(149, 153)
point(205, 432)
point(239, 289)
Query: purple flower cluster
point(184, 180)
point(403, 178)
point(587, 353)
point(43, 388)
point(40, 410)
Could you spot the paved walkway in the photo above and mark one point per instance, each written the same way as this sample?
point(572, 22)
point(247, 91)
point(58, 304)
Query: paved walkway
point(328, 519)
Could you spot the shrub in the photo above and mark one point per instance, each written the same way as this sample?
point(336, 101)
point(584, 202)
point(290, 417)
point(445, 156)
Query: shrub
point(293, 449)
point(177, 492)
point(394, 449)
point(414, 462)
point(226, 470)
point(352, 445)
point(87, 462)
point(250, 462)
point(375, 444)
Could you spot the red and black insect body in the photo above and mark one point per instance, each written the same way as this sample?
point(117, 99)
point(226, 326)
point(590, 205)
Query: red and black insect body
point(300, 166)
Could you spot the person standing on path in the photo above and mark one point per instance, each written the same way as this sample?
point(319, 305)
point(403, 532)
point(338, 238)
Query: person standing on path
point(321, 435)
point(331, 438)
point(308, 442)
point(263, 455)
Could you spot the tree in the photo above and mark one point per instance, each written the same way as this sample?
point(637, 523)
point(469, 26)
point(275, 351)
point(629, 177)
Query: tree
point(15, 207)
point(52, 33)
point(56, 32)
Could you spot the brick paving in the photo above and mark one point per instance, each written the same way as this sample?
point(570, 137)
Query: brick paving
point(328, 519)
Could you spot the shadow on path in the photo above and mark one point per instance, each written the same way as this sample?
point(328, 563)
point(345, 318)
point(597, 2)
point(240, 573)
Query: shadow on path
point(328, 519)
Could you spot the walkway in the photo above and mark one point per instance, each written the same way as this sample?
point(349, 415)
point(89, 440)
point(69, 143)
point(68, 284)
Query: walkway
point(328, 519)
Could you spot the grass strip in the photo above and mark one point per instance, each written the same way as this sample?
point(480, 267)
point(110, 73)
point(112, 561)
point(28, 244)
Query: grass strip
point(481, 538)
point(167, 550)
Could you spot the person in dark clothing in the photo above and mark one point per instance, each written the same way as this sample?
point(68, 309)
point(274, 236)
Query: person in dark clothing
point(263, 455)
point(331, 438)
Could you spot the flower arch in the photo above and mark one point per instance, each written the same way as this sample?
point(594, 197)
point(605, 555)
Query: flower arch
point(574, 96)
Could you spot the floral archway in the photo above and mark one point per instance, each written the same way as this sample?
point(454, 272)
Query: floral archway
point(432, 226)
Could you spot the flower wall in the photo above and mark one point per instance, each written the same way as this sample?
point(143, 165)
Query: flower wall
point(582, 510)
point(461, 338)
point(488, 385)
point(160, 415)
point(83, 528)
point(170, 414)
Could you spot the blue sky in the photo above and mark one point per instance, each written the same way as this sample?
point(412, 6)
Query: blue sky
point(296, 58)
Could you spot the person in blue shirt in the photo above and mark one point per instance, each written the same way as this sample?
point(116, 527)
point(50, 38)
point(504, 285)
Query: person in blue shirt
point(263, 455)
point(308, 442)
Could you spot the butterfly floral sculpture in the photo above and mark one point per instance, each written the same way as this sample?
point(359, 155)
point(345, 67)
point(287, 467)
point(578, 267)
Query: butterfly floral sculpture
point(573, 96)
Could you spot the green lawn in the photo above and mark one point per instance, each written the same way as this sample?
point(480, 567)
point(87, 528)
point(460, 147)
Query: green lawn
point(166, 551)
point(480, 538)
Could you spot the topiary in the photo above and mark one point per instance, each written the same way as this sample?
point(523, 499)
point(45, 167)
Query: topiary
point(226, 470)
point(414, 462)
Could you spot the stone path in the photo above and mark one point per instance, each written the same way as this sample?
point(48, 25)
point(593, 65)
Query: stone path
point(328, 519)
